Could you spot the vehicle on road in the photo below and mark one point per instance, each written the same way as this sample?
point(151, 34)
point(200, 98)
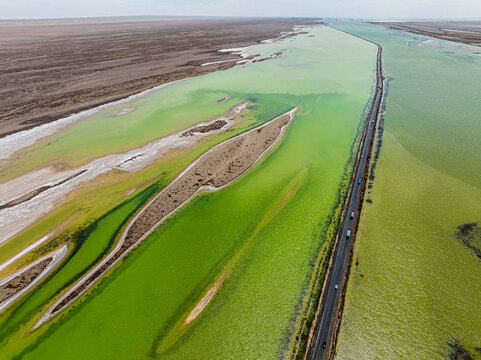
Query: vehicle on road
point(348, 233)
point(336, 287)
point(359, 181)
point(324, 345)
point(352, 214)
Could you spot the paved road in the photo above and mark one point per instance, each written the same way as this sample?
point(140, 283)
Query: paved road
point(322, 342)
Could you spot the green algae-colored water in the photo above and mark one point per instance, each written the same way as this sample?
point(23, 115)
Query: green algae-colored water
point(94, 241)
point(263, 231)
point(416, 287)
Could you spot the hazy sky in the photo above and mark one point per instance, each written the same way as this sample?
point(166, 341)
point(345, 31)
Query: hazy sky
point(312, 8)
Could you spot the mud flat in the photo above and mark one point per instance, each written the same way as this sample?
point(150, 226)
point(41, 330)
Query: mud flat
point(53, 68)
point(213, 170)
point(467, 32)
point(216, 125)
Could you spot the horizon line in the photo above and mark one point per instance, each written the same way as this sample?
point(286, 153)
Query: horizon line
point(374, 19)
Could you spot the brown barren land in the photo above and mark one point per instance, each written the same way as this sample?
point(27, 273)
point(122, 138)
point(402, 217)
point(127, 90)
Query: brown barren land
point(53, 68)
point(467, 32)
point(19, 282)
point(216, 125)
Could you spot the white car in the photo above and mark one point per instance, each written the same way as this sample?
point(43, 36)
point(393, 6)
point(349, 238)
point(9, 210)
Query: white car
point(336, 286)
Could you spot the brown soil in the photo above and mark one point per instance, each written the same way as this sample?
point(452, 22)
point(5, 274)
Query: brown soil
point(19, 282)
point(467, 32)
point(52, 68)
point(225, 98)
point(217, 167)
point(216, 125)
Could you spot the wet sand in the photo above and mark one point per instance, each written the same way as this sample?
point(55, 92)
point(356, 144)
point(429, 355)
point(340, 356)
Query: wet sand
point(215, 169)
point(206, 299)
point(26, 250)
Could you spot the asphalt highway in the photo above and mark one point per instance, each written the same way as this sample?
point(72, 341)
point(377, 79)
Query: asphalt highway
point(323, 337)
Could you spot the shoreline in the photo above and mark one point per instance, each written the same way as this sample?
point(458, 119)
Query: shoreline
point(449, 30)
point(13, 142)
point(94, 70)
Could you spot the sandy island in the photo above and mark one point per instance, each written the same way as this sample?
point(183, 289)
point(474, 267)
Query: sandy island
point(215, 169)
point(206, 299)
